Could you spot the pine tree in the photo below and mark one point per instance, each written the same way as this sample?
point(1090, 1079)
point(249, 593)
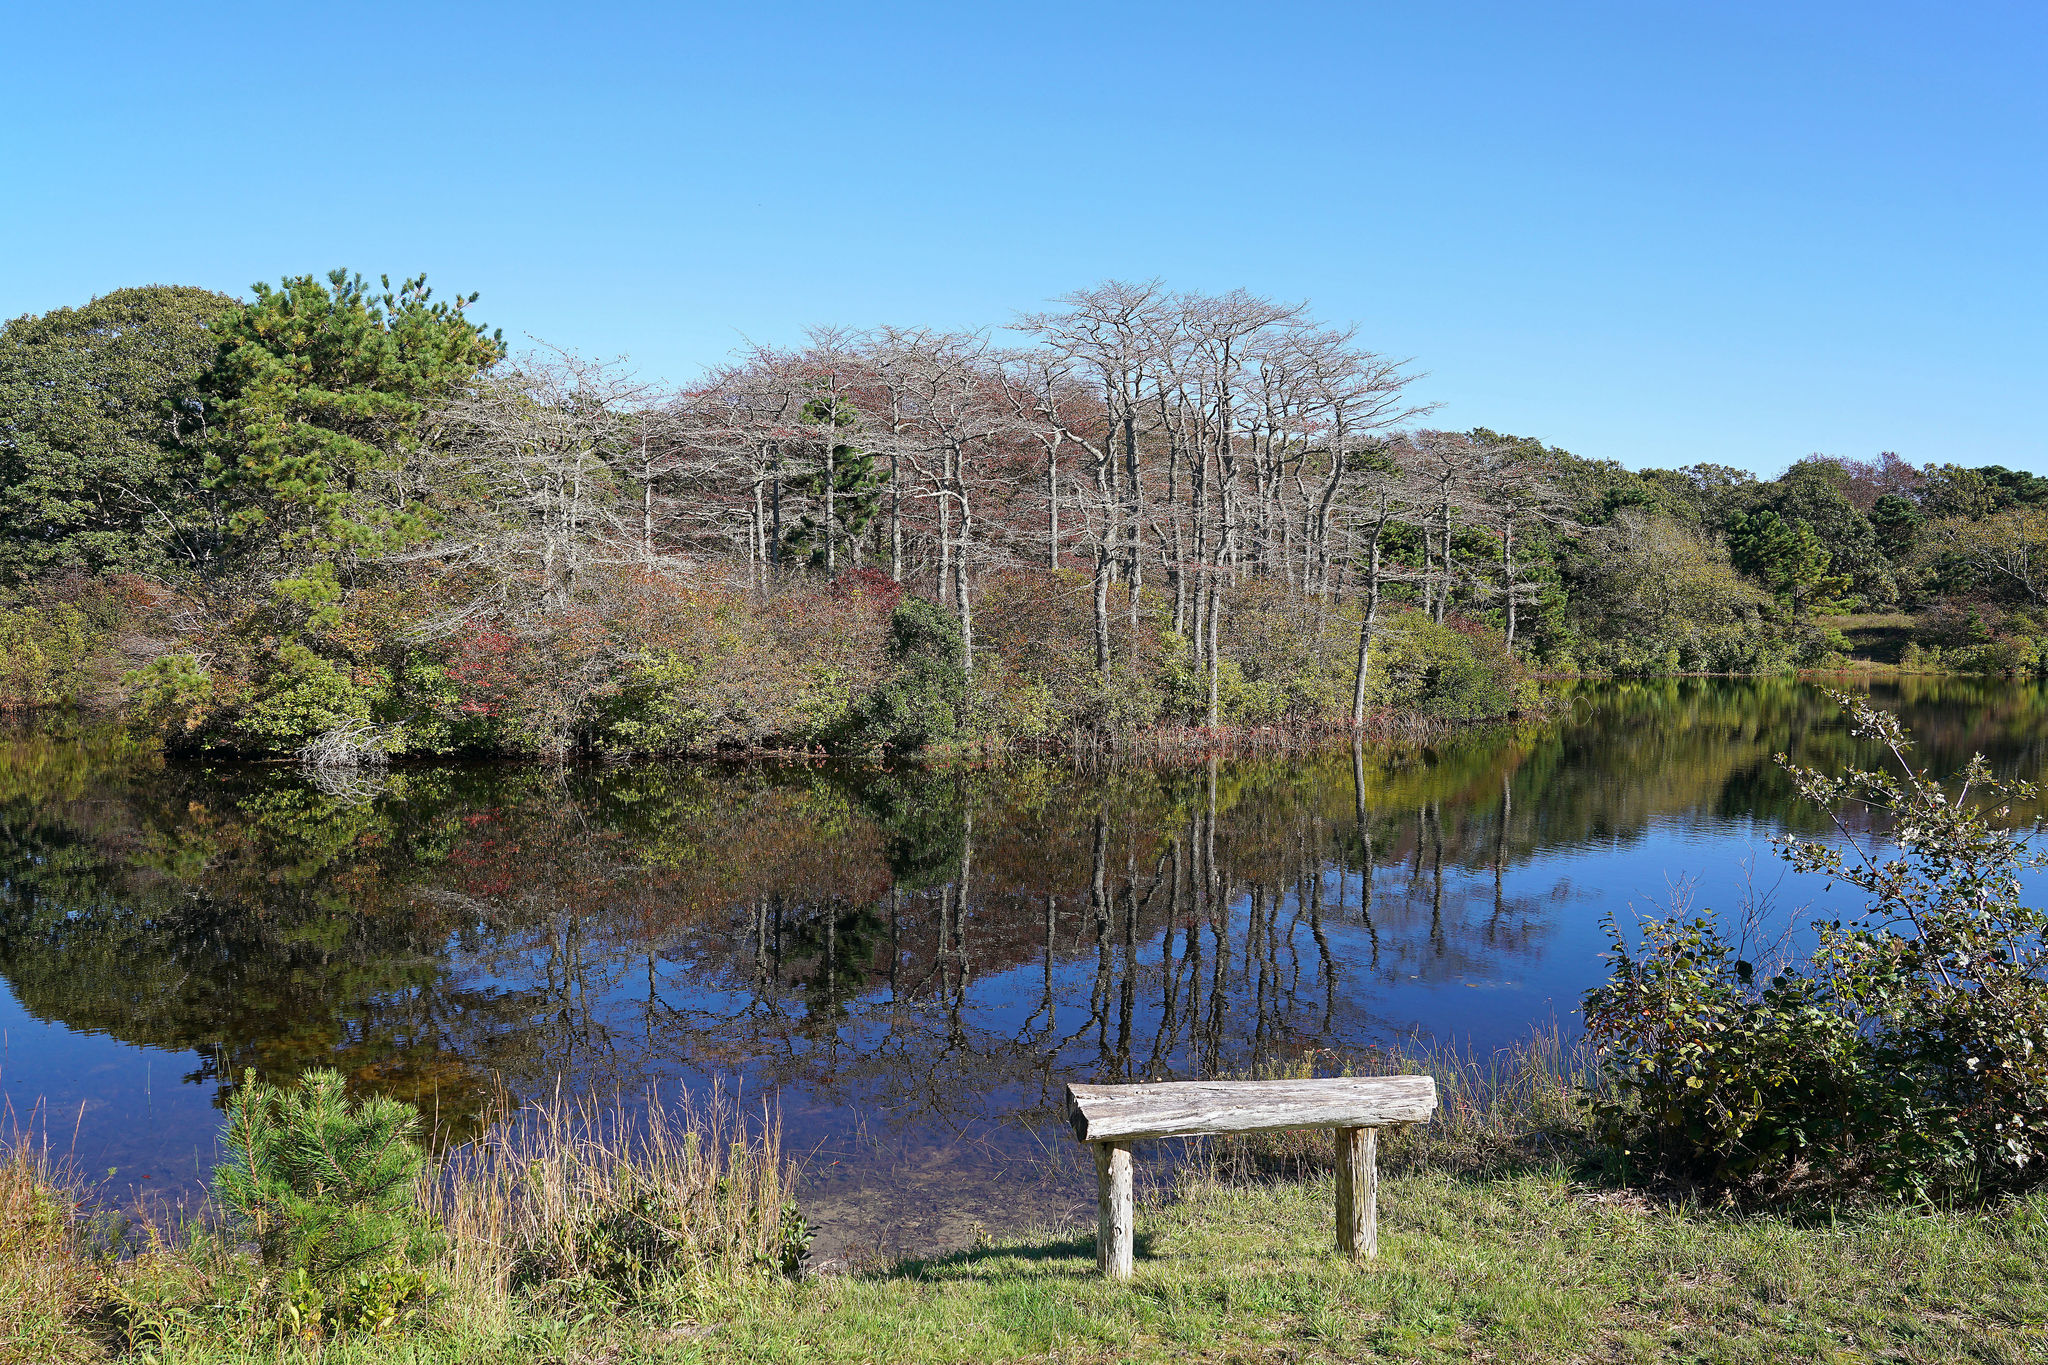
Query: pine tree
point(318, 399)
point(857, 486)
point(1786, 557)
point(319, 1182)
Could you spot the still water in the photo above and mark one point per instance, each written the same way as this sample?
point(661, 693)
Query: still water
point(909, 964)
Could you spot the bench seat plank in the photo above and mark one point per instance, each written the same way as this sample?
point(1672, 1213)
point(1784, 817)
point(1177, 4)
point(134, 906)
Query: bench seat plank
point(1125, 1113)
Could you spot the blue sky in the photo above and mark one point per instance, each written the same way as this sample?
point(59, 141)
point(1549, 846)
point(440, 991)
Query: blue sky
point(1651, 232)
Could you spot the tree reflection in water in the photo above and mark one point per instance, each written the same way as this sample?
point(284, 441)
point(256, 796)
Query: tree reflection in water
point(921, 958)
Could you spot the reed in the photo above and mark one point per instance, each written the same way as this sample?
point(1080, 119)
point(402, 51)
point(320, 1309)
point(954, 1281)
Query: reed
point(1497, 1112)
point(48, 1273)
point(577, 1191)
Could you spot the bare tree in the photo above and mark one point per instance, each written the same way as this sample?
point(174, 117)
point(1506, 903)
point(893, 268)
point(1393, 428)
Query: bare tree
point(1385, 491)
point(1444, 464)
point(1109, 334)
point(1512, 491)
point(948, 413)
point(532, 450)
point(1351, 397)
point(736, 431)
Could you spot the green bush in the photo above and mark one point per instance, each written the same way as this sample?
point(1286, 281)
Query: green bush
point(1910, 1049)
point(1448, 673)
point(1824, 647)
point(654, 709)
point(921, 705)
point(172, 697)
point(323, 1184)
point(2009, 656)
point(1711, 1074)
point(44, 653)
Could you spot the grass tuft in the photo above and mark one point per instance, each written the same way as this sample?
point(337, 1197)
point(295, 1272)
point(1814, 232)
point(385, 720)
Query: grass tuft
point(580, 1192)
point(48, 1276)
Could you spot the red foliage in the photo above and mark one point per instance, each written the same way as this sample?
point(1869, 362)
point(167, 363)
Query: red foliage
point(869, 586)
point(480, 665)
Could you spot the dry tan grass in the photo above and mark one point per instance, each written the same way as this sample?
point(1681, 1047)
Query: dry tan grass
point(1495, 1112)
point(46, 1284)
point(579, 1190)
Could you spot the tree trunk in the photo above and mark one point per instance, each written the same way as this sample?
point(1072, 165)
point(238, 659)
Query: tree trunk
point(895, 520)
point(1102, 610)
point(1443, 600)
point(1105, 562)
point(945, 540)
point(1507, 561)
point(775, 516)
point(831, 492)
point(962, 589)
point(1367, 624)
point(646, 503)
point(1052, 508)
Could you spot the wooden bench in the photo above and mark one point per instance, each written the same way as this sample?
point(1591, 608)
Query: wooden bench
point(1111, 1117)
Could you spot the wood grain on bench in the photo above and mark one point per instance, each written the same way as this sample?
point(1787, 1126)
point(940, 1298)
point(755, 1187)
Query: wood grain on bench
point(1112, 1117)
point(1128, 1113)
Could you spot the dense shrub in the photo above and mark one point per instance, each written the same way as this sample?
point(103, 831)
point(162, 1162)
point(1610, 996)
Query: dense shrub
point(1910, 1048)
point(2008, 656)
point(1711, 1073)
point(1663, 598)
point(921, 704)
point(1286, 657)
point(44, 653)
point(1035, 669)
point(647, 662)
point(1451, 672)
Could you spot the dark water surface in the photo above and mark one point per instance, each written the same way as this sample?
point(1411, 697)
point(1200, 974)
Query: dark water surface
point(912, 964)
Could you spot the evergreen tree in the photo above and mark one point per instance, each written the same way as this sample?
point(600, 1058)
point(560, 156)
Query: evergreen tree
point(857, 485)
point(320, 1182)
point(1897, 523)
point(318, 400)
point(1815, 492)
point(1786, 557)
point(98, 409)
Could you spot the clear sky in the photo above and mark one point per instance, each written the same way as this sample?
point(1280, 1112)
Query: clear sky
point(1652, 232)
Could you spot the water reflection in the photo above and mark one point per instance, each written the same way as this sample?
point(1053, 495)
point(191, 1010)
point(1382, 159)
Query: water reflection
point(914, 963)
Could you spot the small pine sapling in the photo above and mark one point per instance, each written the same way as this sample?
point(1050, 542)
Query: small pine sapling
point(320, 1182)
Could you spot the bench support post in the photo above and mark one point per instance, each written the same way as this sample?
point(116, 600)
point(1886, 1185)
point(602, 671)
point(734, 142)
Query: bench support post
point(1114, 1208)
point(1358, 1187)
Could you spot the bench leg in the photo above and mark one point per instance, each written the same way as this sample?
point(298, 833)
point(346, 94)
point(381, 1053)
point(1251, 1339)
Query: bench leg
point(1358, 1188)
point(1114, 1202)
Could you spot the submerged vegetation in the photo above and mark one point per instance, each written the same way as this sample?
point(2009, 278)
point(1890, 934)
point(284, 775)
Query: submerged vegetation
point(338, 521)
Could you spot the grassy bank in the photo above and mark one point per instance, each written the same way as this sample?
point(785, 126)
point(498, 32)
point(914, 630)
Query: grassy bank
point(1529, 1266)
point(575, 1237)
point(1533, 1266)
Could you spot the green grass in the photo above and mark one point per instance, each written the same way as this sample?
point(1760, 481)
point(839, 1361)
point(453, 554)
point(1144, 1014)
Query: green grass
point(1499, 1242)
point(1520, 1267)
point(1529, 1267)
point(1876, 637)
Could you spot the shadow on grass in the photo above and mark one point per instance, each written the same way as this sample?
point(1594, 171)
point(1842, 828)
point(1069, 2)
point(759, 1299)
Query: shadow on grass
point(1079, 1250)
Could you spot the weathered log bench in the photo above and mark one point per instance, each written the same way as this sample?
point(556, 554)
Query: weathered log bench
point(1111, 1117)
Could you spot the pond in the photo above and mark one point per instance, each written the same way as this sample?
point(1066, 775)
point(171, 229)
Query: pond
point(909, 964)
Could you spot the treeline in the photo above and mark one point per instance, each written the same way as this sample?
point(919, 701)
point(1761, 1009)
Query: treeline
point(342, 521)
